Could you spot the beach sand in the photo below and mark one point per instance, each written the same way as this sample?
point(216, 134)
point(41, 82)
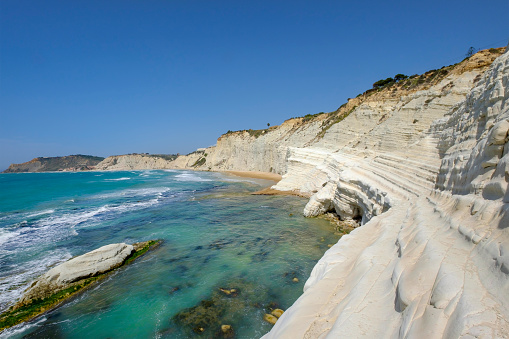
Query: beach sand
point(256, 175)
point(267, 176)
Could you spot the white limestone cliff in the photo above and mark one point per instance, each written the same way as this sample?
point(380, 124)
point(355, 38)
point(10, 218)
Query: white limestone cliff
point(432, 258)
point(130, 162)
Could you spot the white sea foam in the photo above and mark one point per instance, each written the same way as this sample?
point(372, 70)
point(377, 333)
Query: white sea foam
point(118, 179)
point(57, 226)
point(146, 173)
point(36, 214)
point(132, 193)
point(21, 328)
point(190, 176)
point(5, 235)
point(92, 217)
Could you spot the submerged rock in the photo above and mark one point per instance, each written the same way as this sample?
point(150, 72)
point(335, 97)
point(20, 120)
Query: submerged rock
point(277, 312)
point(227, 331)
point(270, 318)
point(84, 266)
point(232, 292)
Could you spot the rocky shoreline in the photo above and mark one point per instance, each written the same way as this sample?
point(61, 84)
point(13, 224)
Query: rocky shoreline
point(71, 277)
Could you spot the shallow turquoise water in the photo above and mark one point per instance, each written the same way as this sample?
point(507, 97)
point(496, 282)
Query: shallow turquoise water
point(216, 235)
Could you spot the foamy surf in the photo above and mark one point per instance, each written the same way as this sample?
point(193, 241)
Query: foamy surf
point(5, 235)
point(118, 179)
point(21, 328)
point(189, 176)
point(18, 277)
point(36, 214)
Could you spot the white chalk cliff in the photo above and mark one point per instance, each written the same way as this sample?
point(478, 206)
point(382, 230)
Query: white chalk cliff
point(130, 162)
point(424, 165)
point(432, 257)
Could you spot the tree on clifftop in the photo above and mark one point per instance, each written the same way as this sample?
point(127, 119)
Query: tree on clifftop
point(470, 52)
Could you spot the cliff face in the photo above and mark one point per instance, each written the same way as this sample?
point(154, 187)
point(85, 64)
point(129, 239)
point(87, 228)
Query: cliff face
point(425, 168)
point(431, 259)
point(49, 164)
point(378, 120)
point(132, 162)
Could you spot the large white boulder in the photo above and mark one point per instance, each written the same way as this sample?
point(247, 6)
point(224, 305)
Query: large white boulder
point(84, 266)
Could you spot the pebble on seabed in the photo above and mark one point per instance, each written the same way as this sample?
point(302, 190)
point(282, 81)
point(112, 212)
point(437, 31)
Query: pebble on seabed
point(227, 331)
point(270, 318)
point(277, 312)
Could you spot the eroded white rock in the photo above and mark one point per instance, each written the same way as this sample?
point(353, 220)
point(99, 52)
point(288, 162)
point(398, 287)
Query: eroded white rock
point(87, 265)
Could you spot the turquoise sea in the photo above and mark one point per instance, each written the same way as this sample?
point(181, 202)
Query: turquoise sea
point(215, 235)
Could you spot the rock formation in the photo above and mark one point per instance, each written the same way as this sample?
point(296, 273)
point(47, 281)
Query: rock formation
point(424, 166)
point(51, 164)
point(88, 265)
point(431, 259)
point(133, 162)
point(65, 280)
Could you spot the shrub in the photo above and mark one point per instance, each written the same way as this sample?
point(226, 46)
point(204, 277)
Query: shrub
point(399, 77)
point(383, 83)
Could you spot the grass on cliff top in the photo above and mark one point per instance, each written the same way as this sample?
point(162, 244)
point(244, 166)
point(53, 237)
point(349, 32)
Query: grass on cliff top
point(14, 316)
point(252, 132)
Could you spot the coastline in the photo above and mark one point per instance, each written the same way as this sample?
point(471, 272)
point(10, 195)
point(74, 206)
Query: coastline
point(272, 191)
point(267, 176)
point(256, 175)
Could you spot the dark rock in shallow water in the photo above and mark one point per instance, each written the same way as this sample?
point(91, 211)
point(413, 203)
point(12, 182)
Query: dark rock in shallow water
point(202, 317)
point(174, 289)
point(226, 332)
point(231, 292)
point(225, 305)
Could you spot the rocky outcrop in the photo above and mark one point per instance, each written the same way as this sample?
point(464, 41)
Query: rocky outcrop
point(52, 164)
point(431, 257)
point(65, 280)
point(424, 170)
point(88, 265)
point(133, 162)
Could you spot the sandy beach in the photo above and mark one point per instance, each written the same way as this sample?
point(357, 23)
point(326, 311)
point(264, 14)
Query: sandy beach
point(256, 175)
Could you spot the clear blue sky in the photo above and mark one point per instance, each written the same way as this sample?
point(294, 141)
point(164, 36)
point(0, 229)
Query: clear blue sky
point(116, 77)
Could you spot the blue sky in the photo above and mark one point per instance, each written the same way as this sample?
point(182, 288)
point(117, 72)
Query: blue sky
point(116, 77)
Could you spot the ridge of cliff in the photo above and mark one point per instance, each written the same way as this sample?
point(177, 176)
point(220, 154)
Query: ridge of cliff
point(135, 161)
point(76, 162)
point(360, 123)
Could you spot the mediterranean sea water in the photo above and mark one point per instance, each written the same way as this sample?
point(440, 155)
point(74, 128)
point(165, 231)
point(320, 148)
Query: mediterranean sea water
point(216, 235)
